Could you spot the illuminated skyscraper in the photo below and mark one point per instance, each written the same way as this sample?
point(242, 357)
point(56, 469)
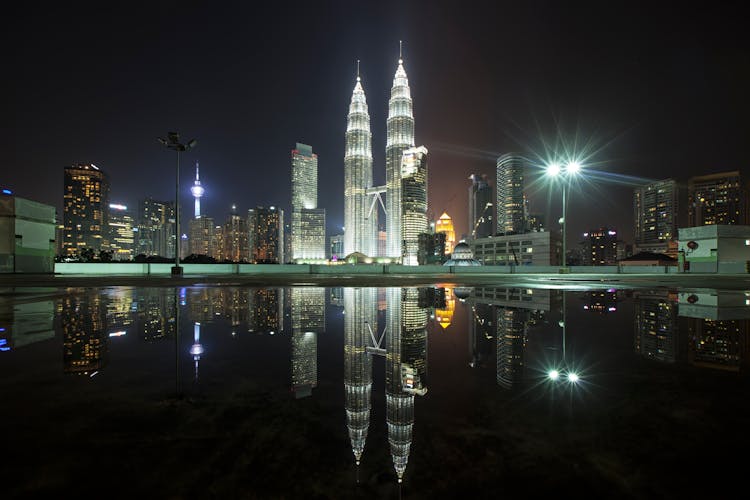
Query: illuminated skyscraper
point(236, 238)
point(656, 209)
point(85, 210)
point(84, 338)
point(399, 136)
point(155, 227)
point(308, 221)
point(445, 225)
point(201, 236)
point(656, 325)
point(413, 202)
point(359, 225)
point(510, 201)
point(120, 236)
point(268, 235)
point(717, 199)
point(481, 207)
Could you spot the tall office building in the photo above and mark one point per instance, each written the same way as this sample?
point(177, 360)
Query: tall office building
point(308, 221)
point(120, 237)
point(481, 207)
point(655, 208)
point(359, 225)
point(399, 137)
point(268, 235)
point(85, 210)
point(717, 199)
point(413, 202)
point(236, 238)
point(510, 200)
point(336, 247)
point(201, 236)
point(600, 247)
point(445, 225)
point(155, 227)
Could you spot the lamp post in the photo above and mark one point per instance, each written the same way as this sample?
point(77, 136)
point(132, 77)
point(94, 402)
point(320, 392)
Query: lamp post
point(554, 170)
point(173, 142)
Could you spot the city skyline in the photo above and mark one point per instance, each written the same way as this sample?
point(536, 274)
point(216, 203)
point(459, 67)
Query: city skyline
point(103, 96)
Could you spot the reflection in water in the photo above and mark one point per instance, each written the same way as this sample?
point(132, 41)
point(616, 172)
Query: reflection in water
point(359, 319)
point(705, 329)
point(308, 319)
point(84, 341)
point(25, 323)
point(656, 330)
point(717, 328)
point(511, 311)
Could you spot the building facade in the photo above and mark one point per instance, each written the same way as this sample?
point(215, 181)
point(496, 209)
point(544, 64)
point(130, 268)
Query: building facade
point(481, 207)
point(360, 225)
point(600, 247)
point(399, 137)
point(717, 199)
point(268, 235)
point(120, 237)
point(308, 221)
point(445, 225)
point(656, 208)
point(541, 249)
point(85, 209)
point(510, 199)
point(27, 235)
point(201, 236)
point(236, 238)
point(413, 202)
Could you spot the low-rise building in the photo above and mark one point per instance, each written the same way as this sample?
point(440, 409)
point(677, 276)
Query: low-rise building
point(541, 249)
point(714, 248)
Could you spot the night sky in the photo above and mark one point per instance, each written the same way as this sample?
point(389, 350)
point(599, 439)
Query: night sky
point(639, 92)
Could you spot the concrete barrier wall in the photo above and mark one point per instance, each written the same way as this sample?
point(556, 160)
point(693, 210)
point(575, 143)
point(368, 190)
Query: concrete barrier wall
point(274, 268)
point(99, 268)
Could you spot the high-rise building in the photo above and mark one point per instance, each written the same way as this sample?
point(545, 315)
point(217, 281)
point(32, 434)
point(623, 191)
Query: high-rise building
point(268, 235)
point(655, 208)
point(236, 238)
point(445, 225)
point(85, 210)
point(600, 247)
point(431, 249)
point(399, 136)
point(511, 342)
point(413, 202)
point(155, 227)
point(359, 224)
point(201, 236)
point(308, 221)
point(337, 247)
point(481, 207)
point(717, 199)
point(656, 326)
point(510, 199)
point(120, 236)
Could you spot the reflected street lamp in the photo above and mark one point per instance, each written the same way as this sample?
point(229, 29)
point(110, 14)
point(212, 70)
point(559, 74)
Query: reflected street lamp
point(173, 142)
point(565, 173)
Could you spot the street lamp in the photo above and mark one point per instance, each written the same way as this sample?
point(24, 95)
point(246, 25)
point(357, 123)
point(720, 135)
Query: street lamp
point(566, 172)
point(173, 142)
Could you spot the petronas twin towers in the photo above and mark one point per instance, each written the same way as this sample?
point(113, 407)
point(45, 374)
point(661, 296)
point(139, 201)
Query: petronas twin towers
point(360, 196)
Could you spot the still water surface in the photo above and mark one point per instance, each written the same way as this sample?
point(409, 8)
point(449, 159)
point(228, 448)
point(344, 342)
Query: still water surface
point(430, 392)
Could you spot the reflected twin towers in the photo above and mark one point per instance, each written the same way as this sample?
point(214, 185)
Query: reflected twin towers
point(405, 334)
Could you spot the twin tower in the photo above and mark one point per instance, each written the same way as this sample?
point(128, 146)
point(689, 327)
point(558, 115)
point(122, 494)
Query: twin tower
point(406, 217)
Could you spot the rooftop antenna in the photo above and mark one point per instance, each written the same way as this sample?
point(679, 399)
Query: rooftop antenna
point(400, 51)
point(357, 69)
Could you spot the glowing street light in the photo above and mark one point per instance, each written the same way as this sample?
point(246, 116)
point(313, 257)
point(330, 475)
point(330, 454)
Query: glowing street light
point(566, 172)
point(173, 142)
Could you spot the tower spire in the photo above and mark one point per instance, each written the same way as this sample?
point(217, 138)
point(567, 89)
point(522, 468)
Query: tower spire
point(197, 178)
point(357, 69)
point(400, 51)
